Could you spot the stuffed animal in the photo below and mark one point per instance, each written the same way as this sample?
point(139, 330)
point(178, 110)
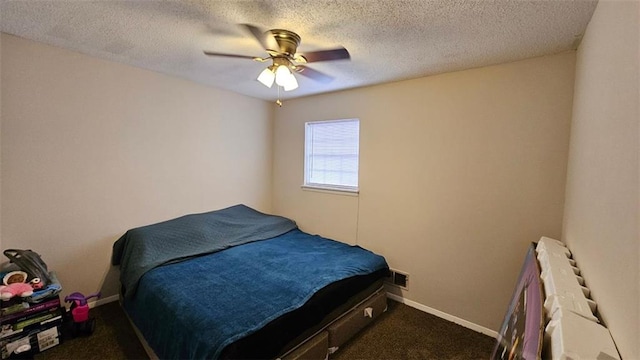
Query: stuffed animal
point(36, 283)
point(13, 289)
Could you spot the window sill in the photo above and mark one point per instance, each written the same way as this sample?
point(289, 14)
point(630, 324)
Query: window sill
point(331, 190)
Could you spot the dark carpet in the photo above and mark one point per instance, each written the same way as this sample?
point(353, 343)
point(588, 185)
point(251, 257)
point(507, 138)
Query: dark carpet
point(406, 333)
point(400, 333)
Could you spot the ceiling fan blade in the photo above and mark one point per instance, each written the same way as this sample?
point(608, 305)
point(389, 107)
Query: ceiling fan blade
point(313, 74)
point(211, 53)
point(326, 55)
point(266, 39)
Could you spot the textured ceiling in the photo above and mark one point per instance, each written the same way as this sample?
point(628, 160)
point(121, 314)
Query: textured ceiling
point(389, 40)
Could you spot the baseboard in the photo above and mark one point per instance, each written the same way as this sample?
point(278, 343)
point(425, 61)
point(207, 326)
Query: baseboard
point(103, 301)
point(443, 315)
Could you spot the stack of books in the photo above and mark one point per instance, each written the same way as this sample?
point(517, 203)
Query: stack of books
point(32, 327)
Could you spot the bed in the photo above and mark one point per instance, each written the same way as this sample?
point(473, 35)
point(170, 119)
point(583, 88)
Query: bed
point(236, 283)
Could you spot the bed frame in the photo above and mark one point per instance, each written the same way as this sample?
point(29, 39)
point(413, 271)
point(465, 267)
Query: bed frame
point(331, 333)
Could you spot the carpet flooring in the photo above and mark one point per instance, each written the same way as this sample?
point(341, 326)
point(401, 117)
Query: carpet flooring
point(400, 333)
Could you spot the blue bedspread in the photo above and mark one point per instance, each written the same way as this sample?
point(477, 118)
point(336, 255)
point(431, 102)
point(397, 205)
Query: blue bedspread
point(142, 249)
point(193, 309)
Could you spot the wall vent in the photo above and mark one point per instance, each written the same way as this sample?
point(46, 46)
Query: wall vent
point(398, 278)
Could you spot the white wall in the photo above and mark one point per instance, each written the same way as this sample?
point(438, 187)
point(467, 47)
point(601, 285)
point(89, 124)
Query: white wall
point(91, 148)
point(458, 174)
point(601, 224)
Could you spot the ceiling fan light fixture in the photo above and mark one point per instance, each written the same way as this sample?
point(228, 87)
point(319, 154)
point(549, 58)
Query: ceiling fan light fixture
point(291, 84)
point(283, 75)
point(267, 77)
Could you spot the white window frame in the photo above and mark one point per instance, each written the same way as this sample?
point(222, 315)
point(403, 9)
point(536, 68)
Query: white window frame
point(339, 189)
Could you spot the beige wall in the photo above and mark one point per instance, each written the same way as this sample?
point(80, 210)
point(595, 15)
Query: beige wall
point(601, 223)
point(1, 144)
point(458, 174)
point(91, 148)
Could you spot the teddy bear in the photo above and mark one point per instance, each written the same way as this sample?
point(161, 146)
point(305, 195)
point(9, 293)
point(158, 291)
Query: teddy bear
point(13, 289)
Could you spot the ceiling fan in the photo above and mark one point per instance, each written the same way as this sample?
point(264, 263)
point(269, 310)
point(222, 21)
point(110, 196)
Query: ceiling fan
point(281, 46)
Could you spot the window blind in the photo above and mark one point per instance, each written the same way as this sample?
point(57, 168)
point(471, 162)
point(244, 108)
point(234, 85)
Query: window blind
point(332, 154)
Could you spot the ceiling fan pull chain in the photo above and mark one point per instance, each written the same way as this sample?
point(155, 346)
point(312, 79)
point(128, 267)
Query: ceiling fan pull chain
point(278, 101)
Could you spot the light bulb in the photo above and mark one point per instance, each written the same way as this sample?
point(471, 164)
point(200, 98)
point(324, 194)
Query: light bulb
point(291, 83)
point(267, 77)
point(282, 75)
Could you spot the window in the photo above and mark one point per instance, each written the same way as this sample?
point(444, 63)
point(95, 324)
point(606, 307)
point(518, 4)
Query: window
point(332, 154)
